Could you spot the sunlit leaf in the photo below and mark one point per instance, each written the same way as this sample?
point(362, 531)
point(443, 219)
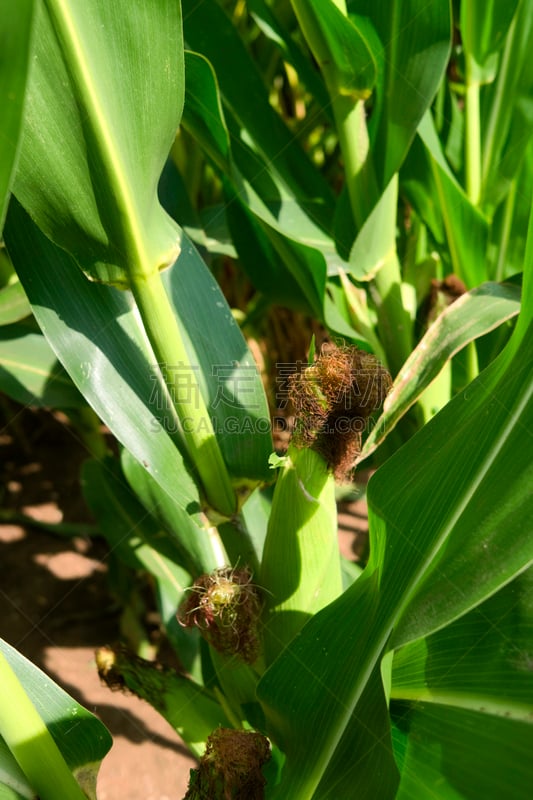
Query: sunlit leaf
point(473, 314)
point(14, 304)
point(415, 37)
point(448, 517)
point(339, 47)
point(484, 25)
point(15, 45)
point(93, 147)
point(30, 372)
point(82, 752)
point(444, 206)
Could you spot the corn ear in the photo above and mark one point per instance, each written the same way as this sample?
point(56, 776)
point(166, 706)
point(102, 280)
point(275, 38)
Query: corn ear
point(300, 570)
point(187, 707)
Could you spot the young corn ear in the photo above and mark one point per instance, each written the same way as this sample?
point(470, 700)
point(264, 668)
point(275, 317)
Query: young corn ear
point(230, 769)
point(187, 707)
point(334, 397)
point(300, 568)
point(225, 606)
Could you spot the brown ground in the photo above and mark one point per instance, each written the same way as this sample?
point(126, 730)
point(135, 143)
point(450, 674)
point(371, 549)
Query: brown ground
point(56, 606)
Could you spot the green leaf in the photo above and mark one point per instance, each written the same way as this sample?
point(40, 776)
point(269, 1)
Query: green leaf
point(228, 376)
point(137, 539)
point(453, 754)
point(197, 548)
point(484, 26)
point(30, 372)
point(99, 339)
point(481, 662)
point(61, 714)
point(259, 258)
point(475, 313)
point(251, 179)
point(449, 524)
point(15, 46)
point(283, 250)
point(444, 207)
point(14, 304)
point(339, 47)
point(415, 36)
point(208, 30)
point(364, 760)
point(93, 146)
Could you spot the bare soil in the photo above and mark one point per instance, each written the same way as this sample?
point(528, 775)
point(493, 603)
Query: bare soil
point(56, 605)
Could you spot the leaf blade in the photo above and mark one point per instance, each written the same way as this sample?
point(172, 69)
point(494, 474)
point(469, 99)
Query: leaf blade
point(65, 169)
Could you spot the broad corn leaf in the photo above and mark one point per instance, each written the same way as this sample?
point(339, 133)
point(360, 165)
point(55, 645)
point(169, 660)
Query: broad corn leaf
point(93, 147)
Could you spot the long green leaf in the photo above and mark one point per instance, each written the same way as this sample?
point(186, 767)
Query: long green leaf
point(15, 45)
point(443, 539)
point(339, 47)
point(480, 662)
point(29, 371)
point(285, 237)
point(476, 671)
point(415, 36)
point(93, 147)
point(444, 207)
point(475, 313)
point(452, 754)
point(251, 176)
point(97, 335)
point(14, 304)
point(484, 25)
point(208, 30)
point(62, 715)
point(135, 537)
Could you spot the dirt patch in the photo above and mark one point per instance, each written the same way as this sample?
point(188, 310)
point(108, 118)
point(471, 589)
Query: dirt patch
point(57, 607)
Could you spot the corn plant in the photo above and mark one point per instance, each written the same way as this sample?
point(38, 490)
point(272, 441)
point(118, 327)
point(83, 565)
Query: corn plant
point(392, 155)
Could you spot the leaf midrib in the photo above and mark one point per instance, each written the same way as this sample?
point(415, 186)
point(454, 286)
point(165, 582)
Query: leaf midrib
point(108, 150)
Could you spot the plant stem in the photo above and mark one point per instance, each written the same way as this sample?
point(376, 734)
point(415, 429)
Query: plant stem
point(350, 120)
point(505, 86)
point(300, 568)
point(471, 362)
point(30, 741)
point(364, 192)
point(143, 259)
point(196, 427)
point(394, 323)
point(473, 133)
point(510, 200)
